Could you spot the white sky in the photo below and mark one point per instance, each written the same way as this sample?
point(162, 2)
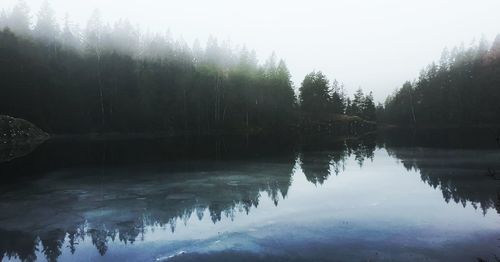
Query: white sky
point(375, 44)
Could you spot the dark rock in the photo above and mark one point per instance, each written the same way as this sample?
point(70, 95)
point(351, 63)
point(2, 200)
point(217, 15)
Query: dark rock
point(18, 137)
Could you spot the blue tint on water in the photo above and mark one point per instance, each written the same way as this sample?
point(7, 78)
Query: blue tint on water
point(378, 204)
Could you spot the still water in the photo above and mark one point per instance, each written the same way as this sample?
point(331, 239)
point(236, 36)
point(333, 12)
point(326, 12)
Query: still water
point(369, 199)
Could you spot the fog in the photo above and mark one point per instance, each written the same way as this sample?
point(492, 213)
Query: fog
point(376, 45)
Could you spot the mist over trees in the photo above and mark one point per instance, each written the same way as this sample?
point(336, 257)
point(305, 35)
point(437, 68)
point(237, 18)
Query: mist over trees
point(114, 78)
point(462, 89)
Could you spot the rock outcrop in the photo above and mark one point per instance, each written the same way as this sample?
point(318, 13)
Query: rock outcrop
point(18, 137)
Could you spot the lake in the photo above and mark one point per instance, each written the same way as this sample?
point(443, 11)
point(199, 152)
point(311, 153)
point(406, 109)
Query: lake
point(396, 196)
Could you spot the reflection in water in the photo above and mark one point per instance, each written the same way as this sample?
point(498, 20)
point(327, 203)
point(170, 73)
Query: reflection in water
point(104, 193)
point(459, 174)
point(318, 165)
point(10, 152)
point(111, 207)
point(456, 167)
point(117, 201)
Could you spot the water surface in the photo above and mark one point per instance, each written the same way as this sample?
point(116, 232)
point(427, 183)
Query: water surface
point(369, 199)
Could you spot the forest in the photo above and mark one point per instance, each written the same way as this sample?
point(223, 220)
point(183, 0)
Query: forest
point(114, 78)
point(461, 90)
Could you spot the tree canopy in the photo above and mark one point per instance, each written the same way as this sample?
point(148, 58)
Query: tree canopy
point(463, 89)
point(115, 78)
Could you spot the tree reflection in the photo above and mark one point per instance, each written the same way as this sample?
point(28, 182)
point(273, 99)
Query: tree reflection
point(318, 165)
point(52, 242)
point(157, 189)
point(17, 244)
point(362, 149)
point(105, 204)
point(459, 174)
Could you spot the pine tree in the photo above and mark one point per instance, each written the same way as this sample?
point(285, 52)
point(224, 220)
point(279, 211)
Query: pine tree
point(357, 104)
point(315, 94)
point(46, 27)
point(19, 20)
point(337, 98)
point(70, 35)
point(369, 111)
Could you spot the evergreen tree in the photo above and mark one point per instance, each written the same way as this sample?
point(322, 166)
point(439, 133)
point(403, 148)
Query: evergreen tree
point(46, 27)
point(337, 99)
point(70, 35)
point(358, 103)
point(315, 95)
point(19, 20)
point(3, 20)
point(369, 108)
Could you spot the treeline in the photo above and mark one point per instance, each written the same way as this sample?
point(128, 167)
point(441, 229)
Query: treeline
point(463, 89)
point(113, 78)
point(107, 78)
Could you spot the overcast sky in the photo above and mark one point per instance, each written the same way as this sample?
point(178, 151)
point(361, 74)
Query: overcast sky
point(375, 44)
